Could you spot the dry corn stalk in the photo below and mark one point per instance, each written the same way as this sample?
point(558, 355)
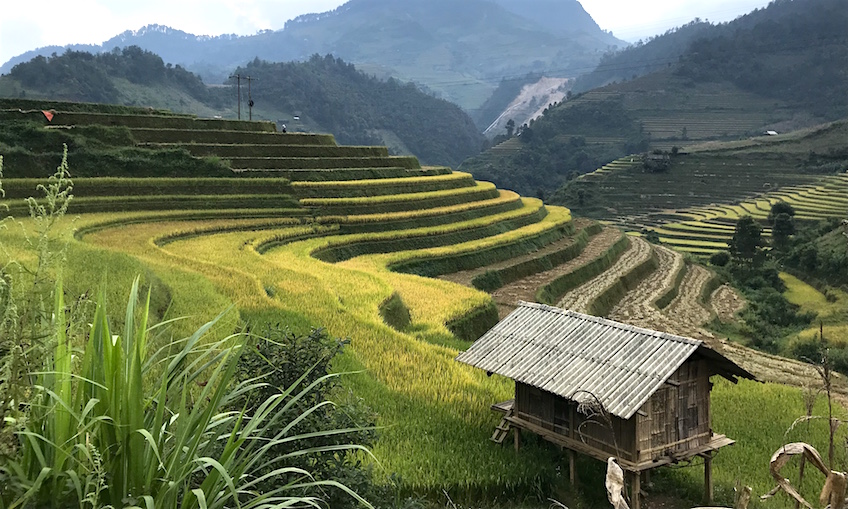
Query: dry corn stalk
point(835, 486)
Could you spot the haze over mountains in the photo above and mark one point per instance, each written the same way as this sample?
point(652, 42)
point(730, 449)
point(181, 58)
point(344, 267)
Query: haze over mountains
point(459, 50)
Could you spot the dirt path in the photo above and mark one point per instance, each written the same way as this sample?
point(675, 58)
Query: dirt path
point(726, 303)
point(581, 297)
point(464, 278)
point(637, 306)
point(525, 289)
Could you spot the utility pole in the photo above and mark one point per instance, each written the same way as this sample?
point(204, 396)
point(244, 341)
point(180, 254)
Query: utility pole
point(249, 97)
point(238, 80)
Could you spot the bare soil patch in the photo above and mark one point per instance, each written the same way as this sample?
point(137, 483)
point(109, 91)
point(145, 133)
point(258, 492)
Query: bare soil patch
point(525, 289)
point(686, 310)
point(726, 303)
point(581, 297)
point(637, 306)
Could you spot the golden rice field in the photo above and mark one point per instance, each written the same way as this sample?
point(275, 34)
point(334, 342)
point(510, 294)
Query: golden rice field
point(265, 265)
point(706, 230)
point(435, 411)
point(830, 313)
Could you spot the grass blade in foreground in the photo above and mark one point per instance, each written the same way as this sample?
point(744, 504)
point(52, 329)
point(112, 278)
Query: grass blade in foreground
point(97, 437)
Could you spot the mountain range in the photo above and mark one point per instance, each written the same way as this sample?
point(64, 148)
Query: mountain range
point(457, 50)
point(780, 68)
point(321, 94)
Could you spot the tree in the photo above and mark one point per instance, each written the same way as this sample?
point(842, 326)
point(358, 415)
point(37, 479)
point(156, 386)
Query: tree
point(720, 259)
point(510, 128)
point(747, 239)
point(778, 208)
point(782, 228)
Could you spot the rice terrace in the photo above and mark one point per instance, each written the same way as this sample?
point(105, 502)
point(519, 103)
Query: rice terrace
point(390, 254)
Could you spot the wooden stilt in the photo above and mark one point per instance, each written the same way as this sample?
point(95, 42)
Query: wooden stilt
point(636, 490)
point(647, 476)
point(572, 473)
point(516, 434)
point(708, 478)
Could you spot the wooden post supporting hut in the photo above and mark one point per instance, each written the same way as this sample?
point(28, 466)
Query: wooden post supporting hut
point(647, 393)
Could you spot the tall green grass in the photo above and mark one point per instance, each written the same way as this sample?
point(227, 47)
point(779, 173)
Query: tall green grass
point(94, 436)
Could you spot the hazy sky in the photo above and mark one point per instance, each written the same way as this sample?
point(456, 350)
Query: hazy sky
point(26, 25)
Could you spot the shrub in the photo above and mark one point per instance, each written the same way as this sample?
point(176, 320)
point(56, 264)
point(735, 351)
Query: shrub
point(282, 359)
point(720, 259)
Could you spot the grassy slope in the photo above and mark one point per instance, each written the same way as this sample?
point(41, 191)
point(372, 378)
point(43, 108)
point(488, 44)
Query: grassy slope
point(831, 313)
point(438, 426)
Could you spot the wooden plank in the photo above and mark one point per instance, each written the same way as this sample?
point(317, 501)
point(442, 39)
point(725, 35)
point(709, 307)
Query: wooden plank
point(708, 478)
point(504, 407)
point(636, 490)
point(715, 443)
point(674, 444)
point(572, 469)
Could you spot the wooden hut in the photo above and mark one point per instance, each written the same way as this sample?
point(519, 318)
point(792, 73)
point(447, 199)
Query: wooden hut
point(652, 389)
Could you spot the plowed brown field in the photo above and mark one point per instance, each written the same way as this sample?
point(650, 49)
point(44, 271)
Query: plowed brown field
point(637, 306)
point(581, 297)
point(525, 289)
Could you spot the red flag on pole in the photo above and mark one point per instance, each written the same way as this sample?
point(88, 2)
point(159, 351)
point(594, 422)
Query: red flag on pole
point(48, 115)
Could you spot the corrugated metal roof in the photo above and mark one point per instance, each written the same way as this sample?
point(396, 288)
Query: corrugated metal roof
point(565, 352)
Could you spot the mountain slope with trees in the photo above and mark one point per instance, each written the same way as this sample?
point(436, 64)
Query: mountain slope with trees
point(327, 94)
point(793, 50)
point(459, 50)
point(357, 108)
point(540, 156)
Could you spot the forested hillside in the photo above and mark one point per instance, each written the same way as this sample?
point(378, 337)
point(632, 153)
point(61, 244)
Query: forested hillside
point(776, 69)
point(642, 58)
point(793, 50)
point(357, 108)
point(544, 155)
point(327, 94)
point(457, 49)
point(83, 76)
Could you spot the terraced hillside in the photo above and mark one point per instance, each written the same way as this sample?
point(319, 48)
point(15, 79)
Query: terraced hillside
point(303, 233)
point(695, 204)
point(307, 233)
point(676, 111)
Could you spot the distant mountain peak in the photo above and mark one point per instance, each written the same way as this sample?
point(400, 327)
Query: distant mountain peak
point(456, 48)
point(127, 36)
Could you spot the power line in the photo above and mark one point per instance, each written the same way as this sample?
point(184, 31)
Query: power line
point(249, 96)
